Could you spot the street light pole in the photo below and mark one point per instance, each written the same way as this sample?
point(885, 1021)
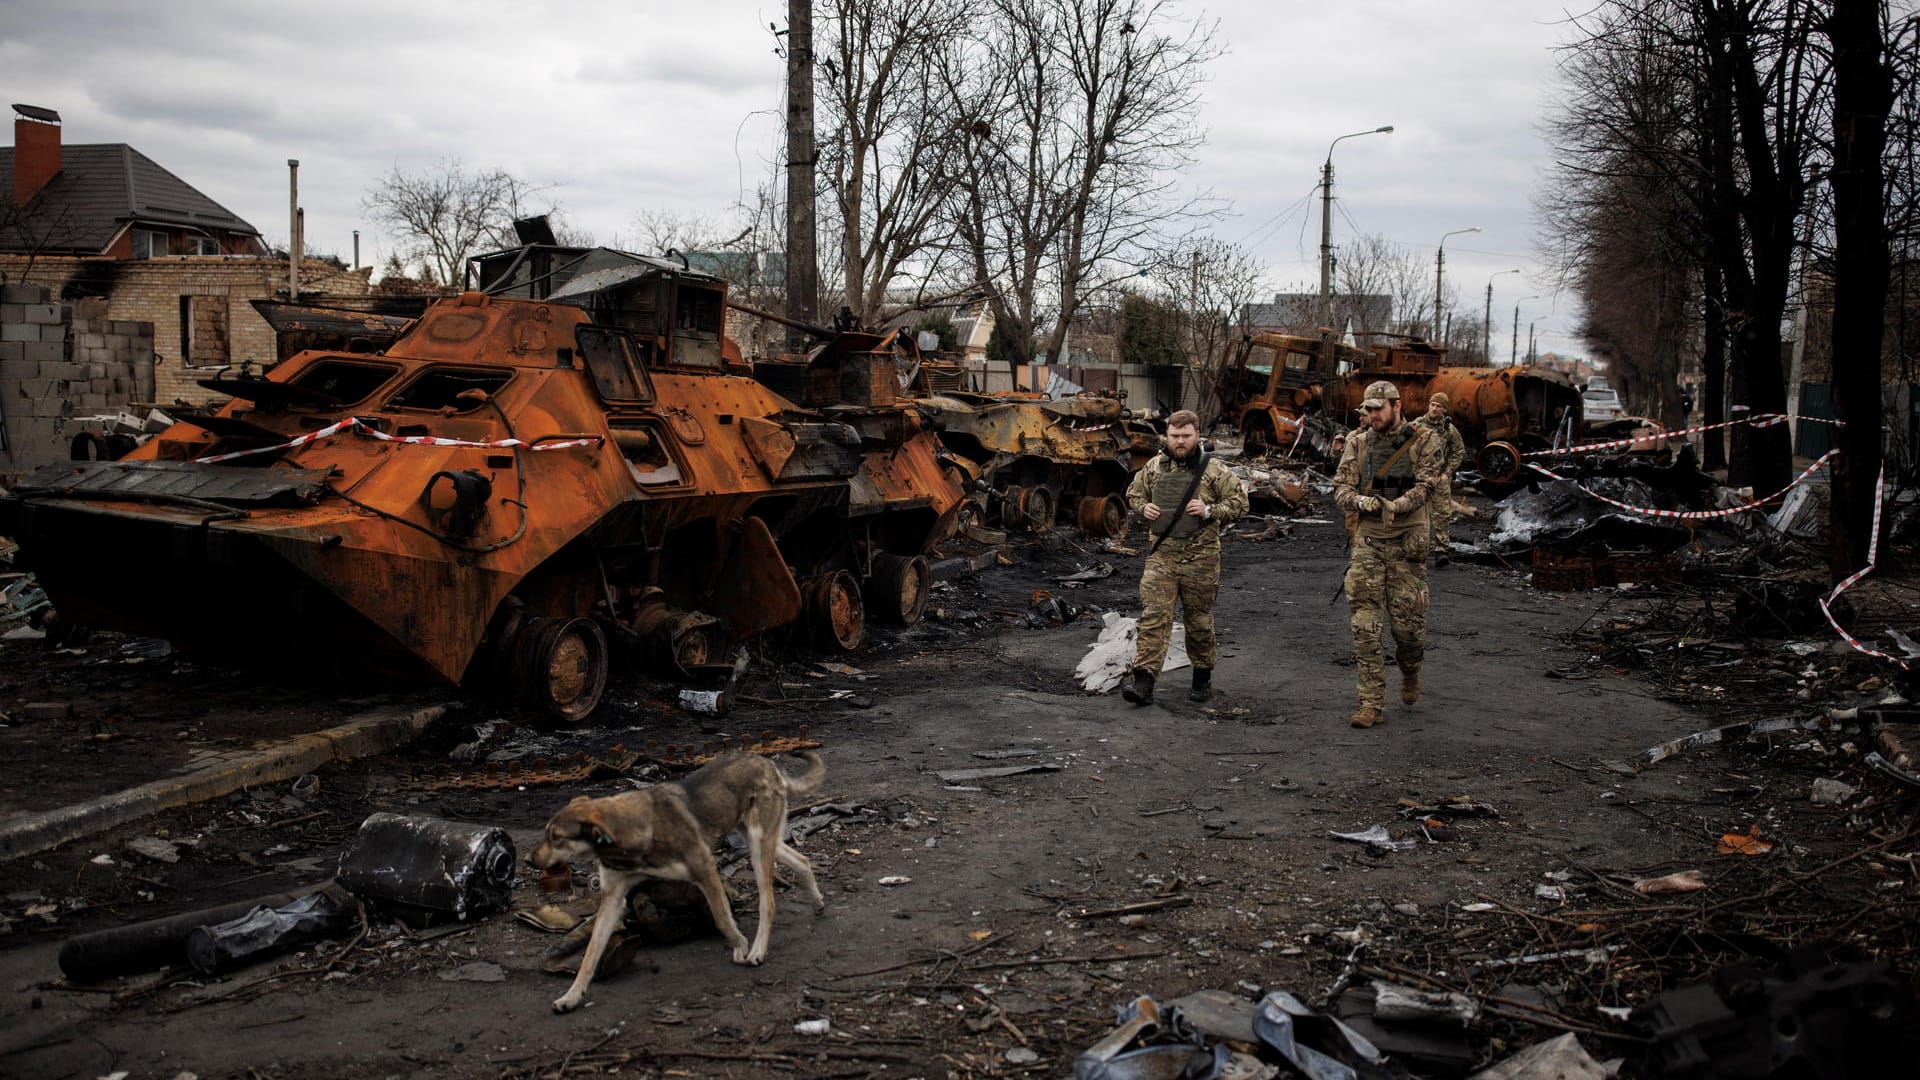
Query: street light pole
point(1439, 273)
point(1486, 325)
point(1326, 223)
point(1514, 356)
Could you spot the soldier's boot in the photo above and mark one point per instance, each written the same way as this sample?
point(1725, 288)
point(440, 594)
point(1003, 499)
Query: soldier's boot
point(1368, 715)
point(1140, 690)
point(1202, 685)
point(1409, 684)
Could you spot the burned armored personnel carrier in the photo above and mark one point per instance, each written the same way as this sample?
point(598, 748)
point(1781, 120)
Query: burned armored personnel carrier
point(564, 466)
point(1027, 460)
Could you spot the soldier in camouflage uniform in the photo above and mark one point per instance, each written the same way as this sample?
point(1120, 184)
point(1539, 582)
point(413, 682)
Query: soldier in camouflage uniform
point(1386, 477)
point(1440, 511)
point(1186, 565)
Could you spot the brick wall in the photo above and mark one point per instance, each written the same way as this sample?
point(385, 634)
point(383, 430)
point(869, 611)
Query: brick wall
point(59, 361)
point(152, 291)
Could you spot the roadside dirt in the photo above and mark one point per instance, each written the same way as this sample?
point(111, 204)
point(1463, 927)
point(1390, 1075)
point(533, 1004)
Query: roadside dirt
point(993, 957)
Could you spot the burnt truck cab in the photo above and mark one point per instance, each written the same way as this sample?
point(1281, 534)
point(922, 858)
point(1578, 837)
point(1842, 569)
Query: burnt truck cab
point(558, 468)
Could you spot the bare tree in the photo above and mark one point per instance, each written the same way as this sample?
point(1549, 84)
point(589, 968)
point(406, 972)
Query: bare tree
point(1079, 115)
point(445, 214)
point(891, 142)
point(1372, 265)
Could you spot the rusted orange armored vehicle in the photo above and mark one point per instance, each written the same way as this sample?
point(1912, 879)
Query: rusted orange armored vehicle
point(1305, 399)
point(565, 457)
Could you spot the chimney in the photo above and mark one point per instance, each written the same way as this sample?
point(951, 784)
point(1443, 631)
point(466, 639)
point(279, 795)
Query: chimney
point(36, 150)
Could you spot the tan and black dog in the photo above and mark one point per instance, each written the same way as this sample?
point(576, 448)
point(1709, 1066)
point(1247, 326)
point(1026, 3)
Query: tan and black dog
point(669, 831)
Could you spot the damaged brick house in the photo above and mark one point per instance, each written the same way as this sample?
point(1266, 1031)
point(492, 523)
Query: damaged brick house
point(103, 220)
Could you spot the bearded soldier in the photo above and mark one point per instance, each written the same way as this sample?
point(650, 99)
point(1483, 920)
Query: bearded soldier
point(1440, 510)
point(1187, 498)
point(1387, 475)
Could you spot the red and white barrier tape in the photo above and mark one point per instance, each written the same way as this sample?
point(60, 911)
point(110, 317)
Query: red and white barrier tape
point(354, 423)
point(1873, 555)
point(1692, 515)
point(1761, 421)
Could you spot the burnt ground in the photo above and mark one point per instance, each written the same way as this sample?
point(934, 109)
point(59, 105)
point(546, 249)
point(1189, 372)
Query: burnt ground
point(998, 956)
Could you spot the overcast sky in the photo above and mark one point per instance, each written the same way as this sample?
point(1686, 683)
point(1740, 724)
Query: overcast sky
point(677, 106)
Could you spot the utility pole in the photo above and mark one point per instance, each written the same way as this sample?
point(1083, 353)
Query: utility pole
point(803, 267)
point(293, 230)
point(1486, 345)
point(1326, 226)
point(1439, 277)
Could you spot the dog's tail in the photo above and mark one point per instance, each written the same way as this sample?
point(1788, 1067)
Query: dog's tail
point(806, 781)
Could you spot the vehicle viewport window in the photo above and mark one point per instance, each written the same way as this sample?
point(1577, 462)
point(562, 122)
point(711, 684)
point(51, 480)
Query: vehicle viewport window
point(617, 373)
point(440, 388)
point(344, 381)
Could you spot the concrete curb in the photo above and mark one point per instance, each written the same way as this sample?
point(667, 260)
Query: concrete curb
point(373, 733)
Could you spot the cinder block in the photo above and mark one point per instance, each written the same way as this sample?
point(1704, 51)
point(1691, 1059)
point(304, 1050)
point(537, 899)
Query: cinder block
point(44, 352)
point(19, 331)
point(12, 352)
point(23, 294)
point(128, 328)
point(44, 313)
point(93, 372)
point(91, 401)
point(64, 371)
point(36, 389)
point(13, 313)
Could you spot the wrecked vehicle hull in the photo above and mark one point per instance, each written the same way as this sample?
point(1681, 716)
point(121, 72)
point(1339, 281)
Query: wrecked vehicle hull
point(1041, 461)
point(511, 490)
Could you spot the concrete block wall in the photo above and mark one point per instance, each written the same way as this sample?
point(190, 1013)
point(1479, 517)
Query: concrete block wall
point(59, 361)
point(151, 291)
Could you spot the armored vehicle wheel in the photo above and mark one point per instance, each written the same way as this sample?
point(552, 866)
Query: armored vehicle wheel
point(838, 615)
point(1101, 516)
point(1012, 502)
point(1038, 507)
point(897, 588)
point(563, 666)
point(1499, 462)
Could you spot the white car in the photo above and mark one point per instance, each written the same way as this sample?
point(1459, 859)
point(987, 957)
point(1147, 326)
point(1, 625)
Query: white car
point(1600, 404)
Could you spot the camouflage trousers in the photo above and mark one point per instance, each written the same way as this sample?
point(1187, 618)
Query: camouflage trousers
point(1192, 576)
point(1387, 578)
point(1440, 516)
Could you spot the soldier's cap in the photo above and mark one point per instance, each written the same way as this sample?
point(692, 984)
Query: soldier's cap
point(1379, 393)
point(1439, 398)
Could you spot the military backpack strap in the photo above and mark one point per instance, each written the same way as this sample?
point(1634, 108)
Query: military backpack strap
point(1199, 473)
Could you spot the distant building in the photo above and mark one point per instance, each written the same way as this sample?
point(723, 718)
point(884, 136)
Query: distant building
point(1299, 313)
point(105, 220)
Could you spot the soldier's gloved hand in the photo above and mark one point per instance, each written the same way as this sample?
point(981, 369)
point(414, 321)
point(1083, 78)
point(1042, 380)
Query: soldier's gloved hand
point(1368, 504)
point(1400, 505)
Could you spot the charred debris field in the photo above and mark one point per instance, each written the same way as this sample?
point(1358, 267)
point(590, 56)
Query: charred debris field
point(1638, 816)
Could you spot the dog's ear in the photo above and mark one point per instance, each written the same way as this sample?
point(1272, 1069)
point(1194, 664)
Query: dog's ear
point(593, 829)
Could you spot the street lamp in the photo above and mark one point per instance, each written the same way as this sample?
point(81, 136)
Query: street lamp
point(1486, 325)
point(1439, 273)
point(1514, 356)
point(1326, 223)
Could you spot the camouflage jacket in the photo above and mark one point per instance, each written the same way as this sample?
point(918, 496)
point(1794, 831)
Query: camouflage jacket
point(1411, 482)
point(1456, 446)
point(1219, 489)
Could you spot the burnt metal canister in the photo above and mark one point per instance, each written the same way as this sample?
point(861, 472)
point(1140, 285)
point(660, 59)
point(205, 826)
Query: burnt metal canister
point(432, 863)
point(269, 931)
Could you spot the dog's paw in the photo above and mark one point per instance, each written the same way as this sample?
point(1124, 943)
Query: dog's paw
point(743, 954)
point(566, 1004)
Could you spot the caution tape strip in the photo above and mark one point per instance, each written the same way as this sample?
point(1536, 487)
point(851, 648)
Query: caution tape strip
point(1873, 557)
point(359, 426)
point(1692, 515)
point(1761, 421)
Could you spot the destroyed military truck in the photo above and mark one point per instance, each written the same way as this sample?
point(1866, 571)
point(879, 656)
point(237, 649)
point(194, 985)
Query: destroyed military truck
point(563, 466)
point(1030, 459)
point(1293, 393)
